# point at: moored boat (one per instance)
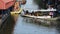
(43, 14)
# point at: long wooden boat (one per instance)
(41, 17)
(44, 17)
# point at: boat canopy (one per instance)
(41, 10)
(45, 10)
(5, 4)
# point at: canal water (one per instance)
(25, 25)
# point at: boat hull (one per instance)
(48, 18)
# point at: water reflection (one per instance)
(58, 27)
(40, 22)
(25, 27)
(22, 26)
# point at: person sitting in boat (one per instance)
(27, 12)
(51, 14)
(32, 13)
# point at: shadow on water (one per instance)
(30, 20)
(40, 22)
(58, 27)
(8, 26)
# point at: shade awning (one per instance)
(5, 4)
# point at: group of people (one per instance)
(51, 13)
(27, 12)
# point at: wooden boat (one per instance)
(45, 15)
